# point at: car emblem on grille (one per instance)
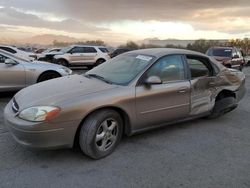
(15, 106)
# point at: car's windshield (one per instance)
(122, 69)
(52, 50)
(66, 49)
(25, 49)
(220, 52)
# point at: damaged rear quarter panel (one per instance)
(206, 89)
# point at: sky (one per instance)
(123, 20)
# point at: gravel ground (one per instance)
(199, 153)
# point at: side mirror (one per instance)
(10, 62)
(153, 80)
(236, 56)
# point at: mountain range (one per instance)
(48, 39)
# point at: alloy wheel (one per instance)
(106, 134)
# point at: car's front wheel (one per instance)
(100, 133)
(48, 76)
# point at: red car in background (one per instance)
(231, 57)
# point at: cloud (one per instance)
(99, 16)
(17, 17)
(110, 10)
(162, 10)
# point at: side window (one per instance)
(77, 50)
(169, 68)
(2, 58)
(8, 50)
(199, 67)
(89, 50)
(104, 50)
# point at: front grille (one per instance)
(15, 106)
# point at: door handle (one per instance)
(183, 90)
(212, 84)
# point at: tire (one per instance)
(48, 76)
(241, 68)
(223, 106)
(100, 61)
(63, 62)
(228, 66)
(89, 67)
(100, 133)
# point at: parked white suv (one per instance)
(82, 55)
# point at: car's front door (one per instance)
(12, 77)
(203, 82)
(75, 55)
(160, 103)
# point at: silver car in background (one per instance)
(17, 73)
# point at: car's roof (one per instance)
(222, 47)
(10, 55)
(159, 52)
(5, 52)
(13, 47)
(83, 45)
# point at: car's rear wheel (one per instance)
(228, 66)
(241, 67)
(100, 133)
(63, 62)
(100, 61)
(89, 67)
(48, 76)
(223, 106)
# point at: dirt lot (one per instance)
(200, 153)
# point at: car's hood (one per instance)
(58, 90)
(53, 53)
(43, 64)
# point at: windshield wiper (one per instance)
(99, 78)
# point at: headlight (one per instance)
(39, 113)
(67, 70)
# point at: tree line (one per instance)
(201, 45)
(88, 42)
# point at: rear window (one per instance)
(220, 52)
(104, 50)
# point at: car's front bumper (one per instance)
(42, 135)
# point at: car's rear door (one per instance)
(203, 84)
(157, 104)
(89, 55)
(12, 77)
